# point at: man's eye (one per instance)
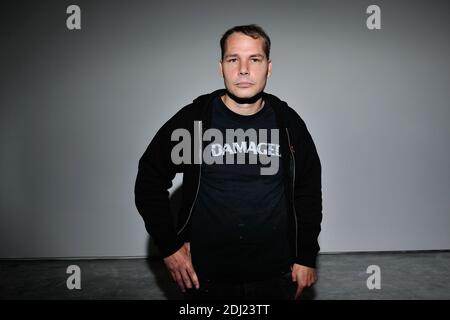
(256, 60)
(232, 60)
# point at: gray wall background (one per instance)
(78, 109)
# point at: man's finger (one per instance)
(193, 277)
(299, 290)
(174, 278)
(186, 279)
(179, 281)
(313, 280)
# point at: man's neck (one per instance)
(245, 109)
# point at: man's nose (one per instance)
(243, 70)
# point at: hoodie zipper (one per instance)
(293, 188)
(198, 181)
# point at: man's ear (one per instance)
(269, 69)
(220, 68)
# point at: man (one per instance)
(241, 232)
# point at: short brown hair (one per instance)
(251, 30)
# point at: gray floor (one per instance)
(412, 275)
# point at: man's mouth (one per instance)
(244, 84)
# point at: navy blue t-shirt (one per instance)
(239, 222)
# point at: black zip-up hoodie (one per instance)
(302, 179)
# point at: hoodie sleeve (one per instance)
(307, 196)
(155, 174)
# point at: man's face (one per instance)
(245, 67)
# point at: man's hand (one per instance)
(304, 276)
(181, 269)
